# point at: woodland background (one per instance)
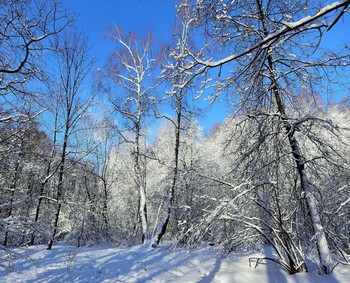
(78, 162)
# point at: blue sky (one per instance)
(157, 16)
(141, 15)
(94, 16)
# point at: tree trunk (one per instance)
(40, 199)
(322, 245)
(59, 197)
(48, 176)
(161, 227)
(140, 180)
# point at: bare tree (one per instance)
(103, 140)
(130, 68)
(26, 28)
(267, 63)
(74, 64)
(50, 166)
(178, 80)
(21, 152)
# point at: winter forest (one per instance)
(81, 163)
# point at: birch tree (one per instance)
(130, 68)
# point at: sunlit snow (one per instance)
(144, 264)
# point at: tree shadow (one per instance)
(210, 277)
(274, 271)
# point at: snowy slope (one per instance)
(143, 264)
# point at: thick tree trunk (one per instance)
(322, 245)
(143, 213)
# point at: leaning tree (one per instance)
(263, 53)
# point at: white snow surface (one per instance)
(143, 264)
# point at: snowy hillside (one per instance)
(143, 264)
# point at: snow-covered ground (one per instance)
(144, 264)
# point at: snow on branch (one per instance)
(288, 26)
(338, 17)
